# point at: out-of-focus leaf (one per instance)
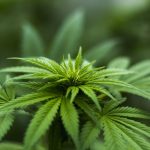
(98, 145)
(2, 78)
(119, 63)
(32, 44)
(6, 121)
(141, 69)
(129, 7)
(67, 38)
(101, 51)
(16, 146)
(89, 134)
(10, 146)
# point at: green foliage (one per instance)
(6, 121)
(6, 118)
(89, 134)
(102, 49)
(16, 146)
(121, 63)
(12, 146)
(32, 44)
(66, 41)
(70, 120)
(139, 78)
(40, 123)
(26, 100)
(122, 132)
(74, 91)
(97, 145)
(86, 97)
(90, 93)
(83, 97)
(68, 36)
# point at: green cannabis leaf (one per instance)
(6, 118)
(121, 131)
(32, 44)
(64, 43)
(140, 77)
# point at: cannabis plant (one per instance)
(75, 104)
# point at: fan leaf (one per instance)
(70, 120)
(41, 122)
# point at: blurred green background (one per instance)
(127, 21)
(121, 24)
